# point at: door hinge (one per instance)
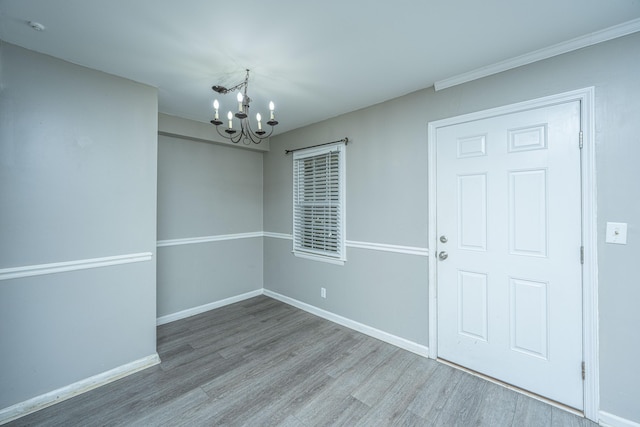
(581, 254)
(581, 140)
(584, 370)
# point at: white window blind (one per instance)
(318, 203)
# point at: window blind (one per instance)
(318, 215)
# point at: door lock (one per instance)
(444, 239)
(443, 255)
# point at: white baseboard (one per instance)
(44, 400)
(351, 324)
(206, 307)
(610, 420)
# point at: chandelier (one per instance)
(244, 132)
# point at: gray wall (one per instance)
(207, 190)
(77, 181)
(387, 203)
(386, 179)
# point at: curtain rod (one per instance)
(345, 140)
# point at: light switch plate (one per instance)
(616, 233)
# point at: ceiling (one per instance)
(315, 60)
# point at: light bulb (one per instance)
(239, 97)
(230, 117)
(259, 118)
(271, 107)
(216, 105)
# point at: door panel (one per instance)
(509, 295)
(529, 313)
(472, 305)
(472, 212)
(528, 213)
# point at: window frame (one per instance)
(339, 256)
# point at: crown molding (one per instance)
(590, 39)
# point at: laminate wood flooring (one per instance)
(264, 363)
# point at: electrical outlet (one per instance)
(323, 292)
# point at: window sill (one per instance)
(320, 258)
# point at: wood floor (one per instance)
(261, 362)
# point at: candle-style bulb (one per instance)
(271, 108)
(239, 97)
(216, 105)
(259, 119)
(230, 117)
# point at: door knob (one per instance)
(443, 255)
(444, 239)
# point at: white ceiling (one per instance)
(315, 60)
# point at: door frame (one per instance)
(586, 96)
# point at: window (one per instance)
(318, 203)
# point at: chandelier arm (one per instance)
(220, 133)
(229, 136)
(259, 137)
(243, 130)
(237, 137)
(249, 133)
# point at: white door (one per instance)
(509, 293)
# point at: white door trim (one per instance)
(586, 97)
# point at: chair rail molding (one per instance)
(207, 239)
(383, 247)
(407, 250)
(81, 264)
